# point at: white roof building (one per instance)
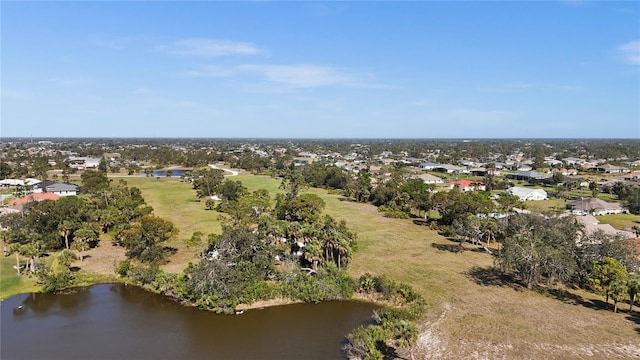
(430, 179)
(526, 194)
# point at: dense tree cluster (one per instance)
(73, 222)
(538, 249)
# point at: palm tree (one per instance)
(65, 229)
(633, 288)
(66, 257)
(313, 253)
(16, 249)
(82, 237)
(81, 246)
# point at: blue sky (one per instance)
(321, 69)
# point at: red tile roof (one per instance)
(34, 197)
(465, 183)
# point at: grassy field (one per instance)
(471, 311)
(620, 221)
(12, 284)
(176, 201)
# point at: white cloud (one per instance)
(213, 71)
(209, 47)
(293, 76)
(302, 76)
(630, 52)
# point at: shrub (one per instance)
(123, 267)
(367, 343)
(392, 213)
(53, 281)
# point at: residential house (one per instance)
(428, 165)
(632, 176)
(526, 175)
(565, 172)
(450, 169)
(467, 185)
(595, 207)
(430, 179)
(592, 225)
(610, 169)
(11, 182)
(58, 188)
(33, 197)
(527, 194)
(83, 163)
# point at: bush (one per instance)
(367, 343)
(123, 267)
(367, 283)
(392, 213)
(53, 281)
(261, 290)
(143, 275)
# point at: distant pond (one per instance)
(114, 321)
(163, 173)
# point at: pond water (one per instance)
(163, 173)
(114, 321)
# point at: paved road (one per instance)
(233, 172)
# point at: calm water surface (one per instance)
(174, 173)
(114, 321)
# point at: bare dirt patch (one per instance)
(266, 303)
(102, 259)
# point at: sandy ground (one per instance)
(102, 259)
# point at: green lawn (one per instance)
(12, 284)
(620, 221)
(176, 201)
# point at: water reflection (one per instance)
(117, 321)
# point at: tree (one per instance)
(292, 184)
(94, 182)
(80, 247)
(66, 228)
(593, 186)
(304, 208)
(15, 249)
(205, 182)
(66, 257)
(618, 292)
(509, 202)
(39, 168)
(535, 247)
(143, 239)
(209, 204)
(633, 288)
(5, 170)
(606, 276)
(230, 190)
(198, 240)
(86, 233)
(313, 253)
(31, 251)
